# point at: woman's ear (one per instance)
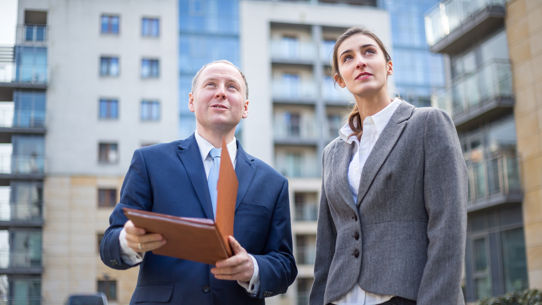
(389, 67)
(339, 80)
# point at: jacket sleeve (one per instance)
(326, 235)
(445, 195)
(277, 266)
(135, 193)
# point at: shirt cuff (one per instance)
(128, 255)
(253, 286)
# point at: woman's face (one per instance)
(362, 66)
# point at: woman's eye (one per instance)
(370, 51)
(346, 58)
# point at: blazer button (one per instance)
(205, 289)
(355, 217)
(356, 253)
(356, 235)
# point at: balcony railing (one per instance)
(28, 74)
(448, 15)
(297, 51)
(497, 176)
(21, 164)
(20, 211)
(304, 166)
(30, 34)
(285, 129)
(474, 91)
(31, 258)
(334, 93)
(292, 91)
(22, 119)
(306, 254)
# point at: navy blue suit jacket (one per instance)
(170, 178)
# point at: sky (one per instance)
(8, 18)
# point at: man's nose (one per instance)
(220, 92)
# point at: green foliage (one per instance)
(526, 297)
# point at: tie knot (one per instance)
(215, 153)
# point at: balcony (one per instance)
(22, 213)
(21, 122)
(480, 96)
(25, 77)
(453, 25)
(293, 92)
(23, 167)
(306, 211)
(493, 182)
(292, 52)
(291, 128)
(335, 95)
(297, 164)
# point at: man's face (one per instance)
(218, 100)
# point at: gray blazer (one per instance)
(405, 236)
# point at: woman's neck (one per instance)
(369, 105)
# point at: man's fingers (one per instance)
(148, 246)
(235, 246)
(130, 228)
(147, 238)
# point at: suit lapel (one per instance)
(244, 168)
(190, 157)
(383, 147)
(341, 159)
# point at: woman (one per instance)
(392, 219)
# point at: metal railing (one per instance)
(282, 89)
(470, 91)
(284, 128)
(448, 15)
(293, 50)
(34, 34)
(490, 177)
(297, 166)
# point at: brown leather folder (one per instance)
(196, 239)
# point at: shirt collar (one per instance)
(380, 120)
(205, 147)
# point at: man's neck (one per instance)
(215, 137)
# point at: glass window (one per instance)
(107, 197)
(306, 206)
(197, 50)
(109, 288)
(31, 64)
(109, 66)
(495, 48)
(108, 153)
(150, 68)
(20, 248)
(481, 268)
(29, 109)
(150, 27)
(514, 260)
(109, 24)
(21, 201)
(150, 110)
(108, 109)
(34, 32)
(303, 290)
(28, 154)
(20, 289)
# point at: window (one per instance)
(108, 153)
(109, 24)
(150, 111)
(99, 237)
(109, 66)
(107, 197)
(108, 109)
(150, 68)
(150, 27)
(109, 288)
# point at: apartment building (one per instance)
(92, 81)
(295, 107)
(480, 99)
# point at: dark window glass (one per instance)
(109, 24)
(150, 27)
(109, 66)
(107, 197)
(109, 288)
(108, 109)
(150, 111)
(150, 68)
(108, 153)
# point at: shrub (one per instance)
(526, 297)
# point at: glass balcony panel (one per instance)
(306, 212)
(297, 165)
(333, 92)
(20, 290)
(20, 248)
(288, 124)
(306, 249)
(282, 89)
(292, 49)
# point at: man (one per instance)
(172, 179)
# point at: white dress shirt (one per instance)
(372, 128)
(131, 257)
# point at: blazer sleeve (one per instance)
(135, 193)
(277, 266)
(445, 194)
(326, 235)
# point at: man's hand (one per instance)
(138, 239)
(239, 267)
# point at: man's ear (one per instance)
(245, 109)
(339, 80)
(191, 102)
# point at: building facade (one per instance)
(481, 100)
(92, 82)
(524, 33)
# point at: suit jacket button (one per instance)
(356, 235)
(205, 289)
(355, 217)
(356, 253)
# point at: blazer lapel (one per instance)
(191, 159)
(383, 147)
(341, 159)
(244, 168)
